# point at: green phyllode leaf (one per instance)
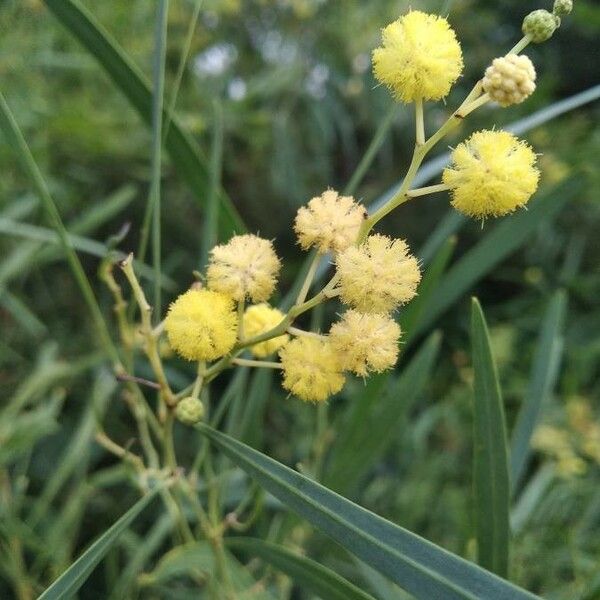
(491, 482)
(76, 575)
(415, 564)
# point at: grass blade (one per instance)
(78, 242)
(308, 574)
(491, 481)
(76, 575)
(420, 567)
(154, 201)
(211, 223)
(543, 377)
(16, 140)
(187, 158)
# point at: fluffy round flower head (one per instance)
(510, 79)
(246, 266)
(492, 174)
(189, 410)
(378, 275)
(329, 222)
(311, 369)
(201, 325)
(420, 57)
(365, 342)
(562, 7)
(259, 319)
(539, 25)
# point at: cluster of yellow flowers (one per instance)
(374, 278)
(492, 173)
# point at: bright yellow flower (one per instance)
(420, 57)
(246, 266)
(261, 318)
(365, 342)
(201, 325)
(492, 174)
(330, 222)
(311, 369)
(378, 275)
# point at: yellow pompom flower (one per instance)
(261, 318)
(378, 275)
(330, 222)
(420, 57)
(492, 174)
(365, 342)
(311, 369)
(246, 266)
(201, 325)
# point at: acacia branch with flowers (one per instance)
(224, 321)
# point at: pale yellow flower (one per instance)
(259, 319)
(365, 342)
(311, 369)
(246, 266)
(378, 275)
(329, 222)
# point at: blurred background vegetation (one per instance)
(293, 83)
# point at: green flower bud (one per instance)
(189, 410)
(539, 25)
(563, 7)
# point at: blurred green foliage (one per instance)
(299, 109)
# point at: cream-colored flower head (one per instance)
(329, 222)
(378, 275)
(510, 79)
(365, 342)
(201, 325)
(419, 58)
(311, 369)
(246, 266)
(259, 319)
(492, 174)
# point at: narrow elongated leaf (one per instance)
(543, 377)
(308, 574)
(510, 233)
(76, 575)
(187, 158)
(420, 567)
(382, 408)
(491, 481)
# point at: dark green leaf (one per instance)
(491, 482)
(76, 575)
(420, 567)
